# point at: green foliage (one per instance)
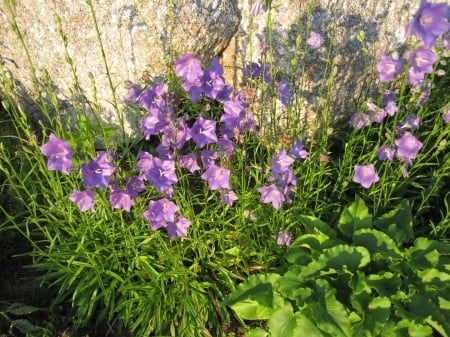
(372, 278)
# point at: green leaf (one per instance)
(293, 287)
(305, 247)
(257, 332)
(25, 326)
(432, 275)
(283, 323)
(428, 253)
(327, 312)
(354, 217)
(397, 223)
(380, 309)
(21, 309)
(255, 299)
(380, 245)
(385, 283)
(314, 225)
(339, 258)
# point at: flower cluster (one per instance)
(216, 142)
(283, 178)
(428, 27)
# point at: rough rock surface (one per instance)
(339, 22)
(136, 36)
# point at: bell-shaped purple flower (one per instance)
(189, 162)
(430, 22)
(281, 162)
(162, 174)
(297, 151)
(59, 154)
(203, 132)
(227, 196)
(84, 200)
(386, 152)
(178, 227)
(120, 199)
(135, 185)
(217, 177)
(365, 175)
(272, 194)
(188, 68)
(315, 40)
(389, 68)
(283, 238)
(408, 147)
(161, 211)
(98, 172)
(358, 120)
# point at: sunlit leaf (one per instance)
(313, 225)
(397, 223)
(354, 217)
(255, 299)
(379, 244)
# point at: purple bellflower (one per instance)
(217, 177)
(315, 40)
(188, 68)
(272, 194)
(208, 157)
(358, 120)
(84, 200)
(284, 93)
(120, 199)
(386, 152)
(189, 162)
(389, 68)
(446, 116)
(133, 92)
(407, 147)
(178, 227)
(227, 196)
(59, 154)
(162, 174)
(135, 185)
(203, 132)
(144, 163)
(365, 175)
(257, 7)
(281, 162)
(297, 151)
(160, 212)
(430, 22)
(98, 172)
(389, 103)
(411, 122)
(283, 238)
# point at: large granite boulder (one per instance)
(137, 36)
(340, 22)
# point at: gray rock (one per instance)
(137, 36)
(339, 22)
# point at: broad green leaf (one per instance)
(313, 225)
(397, 223)
(327, 312)
(255, 299)
(305, 246)
(21, 309)
(408, 327)
(380, 309)
(307, 327)
(257, 332)
(380, 245)
(293, 287)
(284, 323)
(354, 217)
(432, 275)
(339, 257)
(25, 326)
(385, 283)
(422, 306)
(428, 253)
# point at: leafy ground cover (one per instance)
(220, 220)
